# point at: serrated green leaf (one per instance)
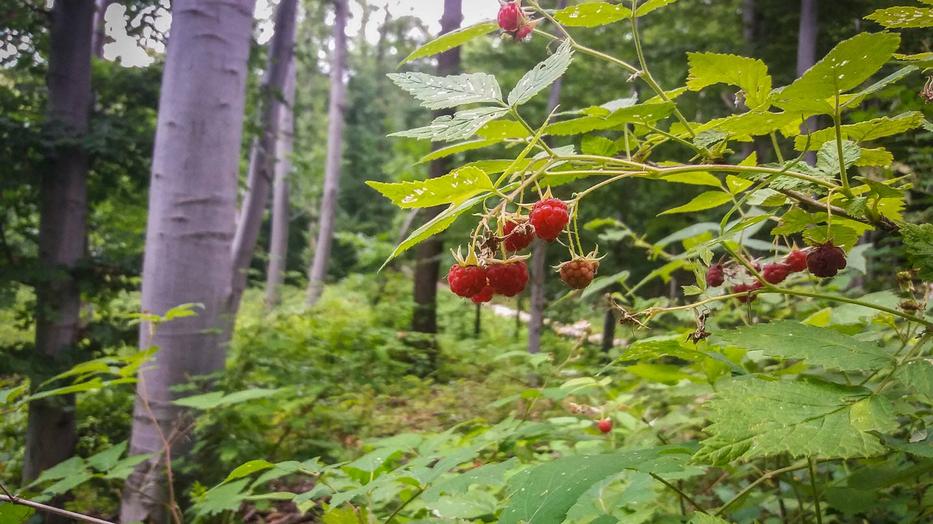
(845, 67)
(217, 399)
(863, 131)
(502, 130)
(873, 414)
(917, 376)
(248, 468)
(707, 200)
(453, 187)
(857, 98)
(706, 518)
(748, 74)
(460, 126)
(918, 243)
(542, 75)
(543, 494)
(462, 147)
(592, 14)
(753, 418)
(638, 114)
(225, 497)
(694, 178)
(879, 157)
(598, 145)
(743, 126)
(451, 40)
(15, 514)
(902, 17)
(436, 225)
(107, 458)
(827, 159)
(71, 467)
(654, 348)
(818, 346)
(651, 5)
(442, 92)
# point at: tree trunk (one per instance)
(263, 157)
(609, 331)
(50, 433)
(100, 27)
(192, 208)
(806, 55)
(428, 253)
(539, 252)
(278, 242)
(335, 117)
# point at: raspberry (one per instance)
(796, 260)
(510, 17)
(549, 217)
(508, 278)
(524, 31)
(466, 281)
(579, 272)
(748, 289)
(826, 260)
(518, 234)
(483, 296)
(604, 425)
(776, 272)
(715, 276)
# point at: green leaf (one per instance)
(706, 518)
(442, 92)
(122, 469)
(217, 399)
(707, 200)
(451, 40)
(845, 67)
(753, 418)
(694, 178)
(901, 17)
(651, 5)
(487, 475)
(248, 468)
(863, 131)
(592, 14)
(460, 126)
(827, 159)
(436, 225)
(543, 75)
(818, 346)
(502, 130)
(748, 74)
(918, 243)
(15, 514)
(457, 148)
(743, 126)
(225, 497)
(68, 468)
(543, 494)
(639, 114)
(917, 376)
(658, 347)
(879, 157)
(107, 459)
(873, 414)
(453, 187)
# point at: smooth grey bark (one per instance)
(806, 55)
(538, 273)
(335, 116)
(263, 158)
(100, 28)
(428, 253)
(278, 240)
(190, 229)
(50, 432)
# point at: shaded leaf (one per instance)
(543, 75)
(459, 126)
(451, 40)
(442, 92)
(453, 187)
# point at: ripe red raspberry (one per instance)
(715, 276)
(518, 234)
(549, 217)
(510, 16)
(776, 272)
(508, 278)
(826, 260)
(466, 281)
(483, 296)
(796, 260)
(604, 425)
(579, 272)
(748, 289)
(524, 31)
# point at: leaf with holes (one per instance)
(453, 187)
(592, 14)
(903, 17)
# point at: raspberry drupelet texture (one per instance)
(715, 276)
(508, 278)
(549, 217)
(518, 234)
(466, 281)
(483, 296)
(796, 260)
(748, 289)
(579, 273)
(826, 260)
(775, 273)
(510, 17)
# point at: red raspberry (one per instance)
(604, 425)
(518, 234)
(524, 31)
(796, 260)
(549, 217)
(748, 289)
(510, 16)
(509, 278)
(483, 296)
(826, 260)
(466, 281)
(579, 272)
(776, 272)
(715, 276)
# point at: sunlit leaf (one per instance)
(451, 40)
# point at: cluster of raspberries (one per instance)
(824, 260)
(513, 21)
(480, 282)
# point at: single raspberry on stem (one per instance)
(518, 233)
(466, 277)
(796, 260)
(826, 260)
(509, 277)
(604, 425)
(549, 217)
(579, 272)
(715, 275)
(775, 273)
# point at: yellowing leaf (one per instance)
(453, 187)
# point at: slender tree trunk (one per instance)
(192, 208)
(609, 330)
(335, 115)
(50, 433)
(278, 242)
(428, 253)
(806, 55)
(263, 158)
(100, 27)
(539, 252)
